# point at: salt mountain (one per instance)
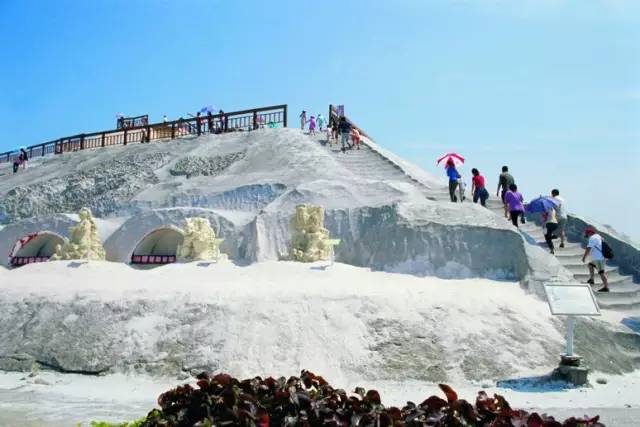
(383, 311)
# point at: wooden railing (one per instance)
(245, 120)
(333, 116)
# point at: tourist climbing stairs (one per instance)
(624, 293)
(368, 163)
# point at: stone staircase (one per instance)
(369, 164)
(624, 294)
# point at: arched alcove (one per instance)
(36, 247)
(158, 247)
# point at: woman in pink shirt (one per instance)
(478, 188)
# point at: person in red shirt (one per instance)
(478, 188)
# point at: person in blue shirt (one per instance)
(454, 176)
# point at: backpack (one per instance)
(607, 252)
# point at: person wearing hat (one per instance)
(597, 260)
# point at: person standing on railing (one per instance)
(181, 126)
(221, 114)
(25, 157)
(209, 121)
(16, 163)
(198, 124)
(303, 119)
(165, 120)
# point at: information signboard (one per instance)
(571, 300)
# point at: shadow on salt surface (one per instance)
(527, 237)
(202, 264)
(539, 384)
(632, 323)
(77, 264)
(420, 266)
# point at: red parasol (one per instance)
(457, 159)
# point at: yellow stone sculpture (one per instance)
(200, 243)
(310, 240)
(84, 242)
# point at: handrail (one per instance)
(333, 114)
(250, 119)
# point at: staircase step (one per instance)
(580, 268)
(613, 278)
(569, 254)
(627, 287)
(570, 249)
(613, 301)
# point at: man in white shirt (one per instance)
(596, 258)
(561, 212)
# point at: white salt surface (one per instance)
(280, 317)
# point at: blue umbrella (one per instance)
(541, 204)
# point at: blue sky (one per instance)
(549, 87)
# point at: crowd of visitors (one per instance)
(553, 214)
(338, 130)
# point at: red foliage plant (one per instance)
(309, 401)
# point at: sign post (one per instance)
(570, 321)
(571, 301)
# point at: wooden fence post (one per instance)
(148, 133)
(255, 119)
(173, 131)
(226, 122)
(125, 137)
(285, 117)
(82, 142)
(103, 140)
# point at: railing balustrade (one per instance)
(245, 120)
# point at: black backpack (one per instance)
(607, 252)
